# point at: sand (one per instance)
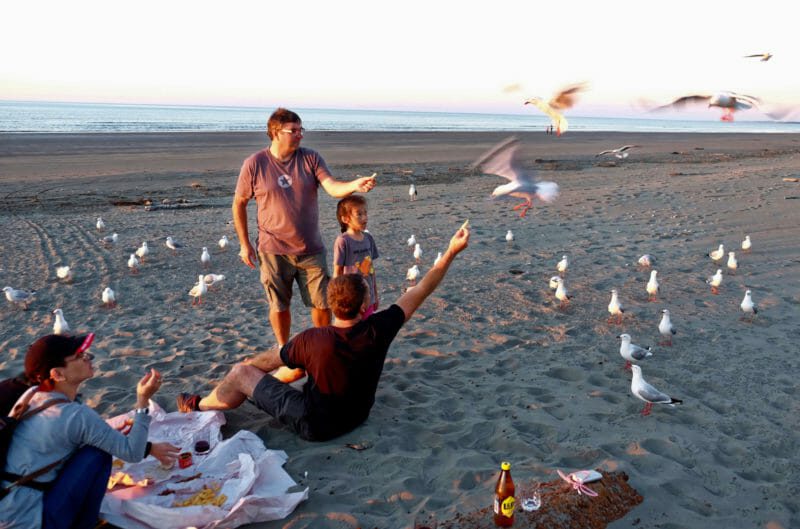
(489, 369)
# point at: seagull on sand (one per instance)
(213, 279)
(411, 240)
(19, 297)
(133, 264)
(509, 236)
(554, 282)
(561, 293)
(652, 286)
(562, 265)
(748, 307)
(763, 56)
(205, 257)
(412, 192)
(100, 224)
(60, 325)
(650, 395)
(223, 243)
(438, 258)
(715, 281)
(646, 261)
(562, 100)
(108, 240)
(500, 161)
(632, 352)
(142, 251)
(109, 297)
(615, 307)
(412, 274)
(621, 152)
(729, 102)
(64, 272)
(746, 244)
(718, 254)
(199, 290)
(733, 264)
(417, 252)
(665, 328)
(172, 244)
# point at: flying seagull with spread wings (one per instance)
(730, 102)
(562, 100)
(501, 160)
(763, 56)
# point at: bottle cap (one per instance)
(505, 465)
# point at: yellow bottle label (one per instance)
(507, 507)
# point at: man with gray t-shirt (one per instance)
(284, 178)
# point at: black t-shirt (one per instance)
(343, 367)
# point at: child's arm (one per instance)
(338, 270)
(339, 255)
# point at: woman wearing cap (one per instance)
(69, 495)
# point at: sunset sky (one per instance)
(410, 55)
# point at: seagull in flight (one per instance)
(501, 161)
(763, 56)
(562, 100)
(621, 152)
(729, 102)
(650, 395)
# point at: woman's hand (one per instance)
(165, 453)
(147, 387)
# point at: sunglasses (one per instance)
(83, 355)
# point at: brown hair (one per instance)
(346, 294)
(346, 206)
(278, 119)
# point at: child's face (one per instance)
(357, 218)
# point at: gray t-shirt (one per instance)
(286, 195)
(358, 257)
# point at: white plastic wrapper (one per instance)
(250, 476)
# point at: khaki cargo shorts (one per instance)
(279, 272)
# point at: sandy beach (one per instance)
(490, 369)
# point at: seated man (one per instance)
(343, 361)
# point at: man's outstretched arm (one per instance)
(413, 298)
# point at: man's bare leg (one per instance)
(320, 317)
(237, 385)
(281, 321)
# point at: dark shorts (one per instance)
(279, 272)
(284, 403)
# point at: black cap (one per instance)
(50, 351)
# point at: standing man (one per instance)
(284, 178)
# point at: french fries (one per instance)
(208, 495)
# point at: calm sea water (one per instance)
(90, 117)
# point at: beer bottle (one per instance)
(504, 504)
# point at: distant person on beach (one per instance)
(343, 361)
(354, 251)
(66, 446)
(284, 178)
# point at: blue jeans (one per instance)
(74, 500)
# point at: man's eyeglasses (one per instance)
(83, 355)
(295, 132)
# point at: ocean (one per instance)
(45, 117)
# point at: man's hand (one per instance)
(248, 254)
(365, 183)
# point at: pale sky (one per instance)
(409, 54)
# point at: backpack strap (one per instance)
(47, 404)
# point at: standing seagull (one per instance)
(746, 244)
(561, 293)
(223, 243)
(652, 286)
(142, 251)
(665, 328)
(554, 282)
(715, 281)
(60, 325)
(133, 264)
(108, 240)
(763, 56)
(509, 236)
(411, 240)
(19, 297)
(562, 100)
(733, 264)
(438, 258)
(615, 307)
(109, 298)
(632, 352)
(172, 244)
(646, 261)
(412, 274)
(562, 265)
(417, 252)
(100, 224)
(501, 161)
(621, 152)
(64, 272)
(718, 254)
(650, 395)
(199, 290)
(205, 257)
(412, 192)
(748, 307)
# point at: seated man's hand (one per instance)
(166, 453)
(287, 376)
(459, 241)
